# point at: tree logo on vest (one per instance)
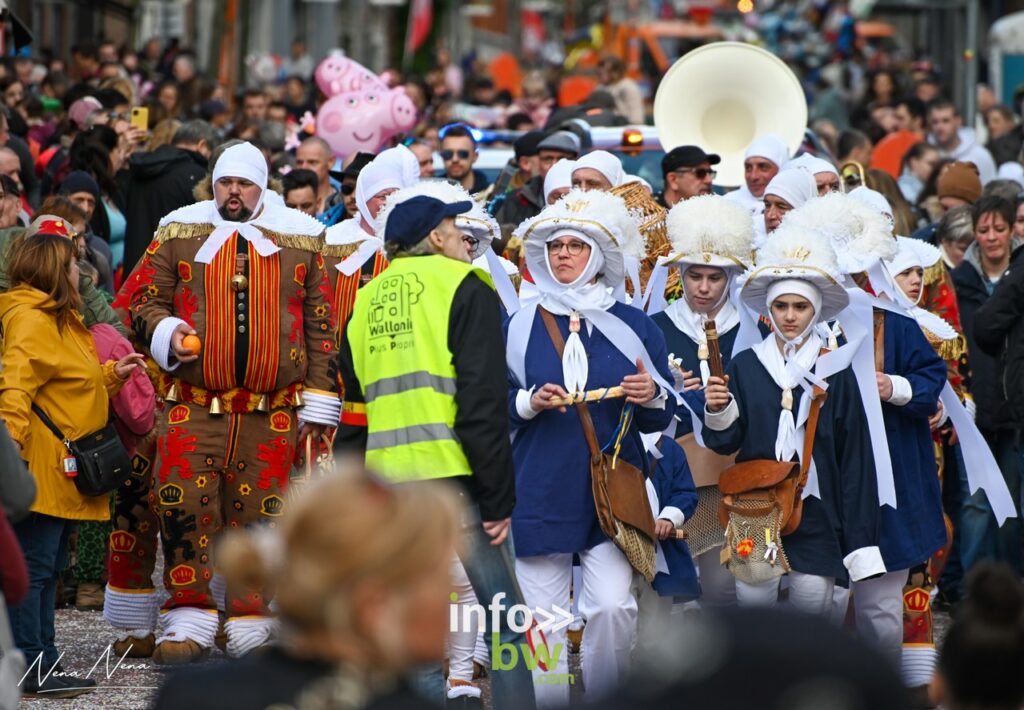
(390, 315)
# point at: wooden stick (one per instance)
(677, 534)
(714, 354)
(589, 396)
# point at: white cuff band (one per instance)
(656, 402)
(188, 622)
(523, 408)
(720, 421)
(247, 634)
(160, 345)
(864, 563)
(902, 392)
(127, 610)
(320, 409)
(673, 514)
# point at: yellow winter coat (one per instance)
(60, 371)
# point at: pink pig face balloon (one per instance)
(361, 113)
(338, 75)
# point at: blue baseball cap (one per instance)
(411, 221)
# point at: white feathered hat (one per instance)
(709, 230)
(476, 222)
(599, 216)
(860, 234)
(793, 252)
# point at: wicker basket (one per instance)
(638, 548)
(650, 220)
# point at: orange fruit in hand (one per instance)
(193, 343)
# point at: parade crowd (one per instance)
(786, 415)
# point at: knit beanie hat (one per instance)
(960, 179)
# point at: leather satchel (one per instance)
(619, 489)
(756, 488)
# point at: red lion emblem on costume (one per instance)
(277, 455)
(171, 450)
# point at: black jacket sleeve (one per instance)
(481, 423)
(1001, 312)
(350, 439)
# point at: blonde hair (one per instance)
(163, 133)
(345, 531)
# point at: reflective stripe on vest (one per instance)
(409, 435)
(398, 335)
(412, 381)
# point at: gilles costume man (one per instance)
(256, 294)
(352, 251)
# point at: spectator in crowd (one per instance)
(96, 152)
(254, 105)
(954, 234)
(347, 206)
(985, 263)
(81, 189)
(315, 154)
(854, 147)
(50, 362)
(629, 102)
(300, 187)
(687, 172)
(889, 154)
(425, 155)
(917, 165)
(459, 153)
(954, 141)
(162, 180)
(298, 63)
(999, 121)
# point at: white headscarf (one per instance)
(794, 185)
(558, 177)
(243, 161)
(573, 299)
(812, 164)
(792, 366)
(770, 147)
(239, 161)
(605, 163)
(393, 168)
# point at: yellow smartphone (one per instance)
(140, 118)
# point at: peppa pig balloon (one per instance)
(361, 113)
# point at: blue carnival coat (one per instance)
(846, 517)
(554, 510)
(674, 485)
(915, 530)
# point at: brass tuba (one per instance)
(724, 95)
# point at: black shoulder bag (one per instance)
(101, 461)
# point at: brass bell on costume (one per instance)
(297, 400)
(264, 404)
(239, 283)
(216, 406)
(172, 393)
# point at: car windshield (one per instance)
(645, 164)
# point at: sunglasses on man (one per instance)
(447, 155)
(699, 173)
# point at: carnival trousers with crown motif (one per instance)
(214, 472)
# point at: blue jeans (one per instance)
(980, 538)
(44, 542)
(491, 570)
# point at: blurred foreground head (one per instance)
(983, 653)
(359, 569)
(758, 658)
